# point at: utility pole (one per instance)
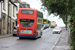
(66, 22)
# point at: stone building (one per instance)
(12, 16)
(20, 4)
(8, 17)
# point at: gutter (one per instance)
(12, 3)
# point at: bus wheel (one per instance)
(36, 36)
(20, 38)
(40, 35)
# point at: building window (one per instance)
(3, 23)
(4, 5)
(9, 9)
(17, 9)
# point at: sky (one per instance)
(37, 5)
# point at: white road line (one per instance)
(56, 42)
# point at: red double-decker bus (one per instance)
(29, 23)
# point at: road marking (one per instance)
(56, 42)
(5, 37)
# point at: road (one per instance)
(63, 43)
(46, 42)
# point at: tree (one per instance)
(17, 14)
(63, 8)
(45, 21)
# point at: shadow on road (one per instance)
(28, 39)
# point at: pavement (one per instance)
(62, 43)
(4, 36)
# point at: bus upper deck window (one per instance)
(27, 11)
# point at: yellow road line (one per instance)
(5, 37)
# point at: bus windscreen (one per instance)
(26, 22)
(27, 11)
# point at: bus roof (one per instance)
(27, 9)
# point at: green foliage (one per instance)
(45, 20)
(49, 22)
(63, 8)
(17, 14)
(73, 40)
(72, 27)
(68, 24)
(55, 6)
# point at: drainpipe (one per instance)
(8, 18)
(1, 20)
(1, 17)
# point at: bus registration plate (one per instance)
(26, 31)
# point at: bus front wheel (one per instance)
(36, 35)
(40, 35)
(20, 37)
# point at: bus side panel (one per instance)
(39, 22)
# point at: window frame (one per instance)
(13, 11)
(28, 10)
(4, 5)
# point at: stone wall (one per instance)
(4, 26)
(7, 25)
(13, 24)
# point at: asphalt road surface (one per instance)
(46, 42)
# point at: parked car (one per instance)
(45, 26)
(14, 31)
(57, 30)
